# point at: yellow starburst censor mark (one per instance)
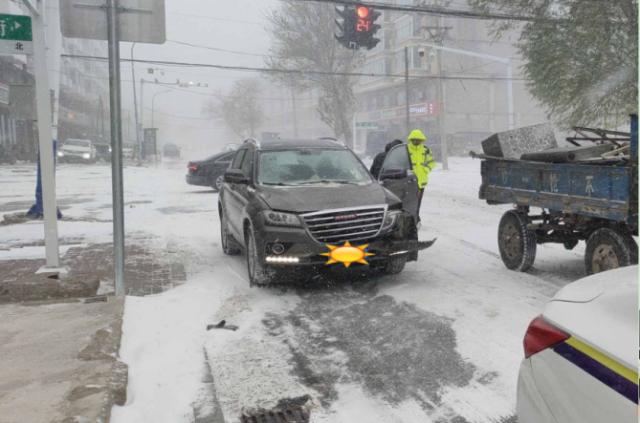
(347, 254)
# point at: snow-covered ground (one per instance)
(441, 342)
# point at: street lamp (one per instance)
(135, 104)
(153, 102)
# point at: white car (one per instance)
(582, 354)
(77, 150)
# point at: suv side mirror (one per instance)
(235, 176)
(393, 174)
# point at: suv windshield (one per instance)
(311, 166)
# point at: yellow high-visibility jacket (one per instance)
(422, 162)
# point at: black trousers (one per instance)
(420, 195)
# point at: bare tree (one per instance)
(584, 65)
(303, 39)
(242, 108)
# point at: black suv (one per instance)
(284, 202)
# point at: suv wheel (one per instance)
(229, 245)
(395, 265)
(258, 274)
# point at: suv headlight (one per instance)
(60, 153)
(86, 156)
(281, 219)
(390, 219)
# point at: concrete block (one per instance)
(513, 144)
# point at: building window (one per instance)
(404, 29)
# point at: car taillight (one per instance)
(540, 336)
(192, 167)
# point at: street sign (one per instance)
(15, 34)
(140, 21)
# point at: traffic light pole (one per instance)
(116, 145)
(442, 120)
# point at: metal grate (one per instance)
(296, 414)
(340, 225)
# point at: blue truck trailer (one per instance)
(590, 200)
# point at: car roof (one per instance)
(283, 143)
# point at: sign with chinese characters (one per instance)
(15, 34)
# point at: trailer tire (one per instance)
(517, 244)
(608, 249)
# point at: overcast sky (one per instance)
(237, 25)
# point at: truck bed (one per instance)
(598, 191)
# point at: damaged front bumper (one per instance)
(287, 246)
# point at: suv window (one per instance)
(397, 158)
(237, 160)
(247, 163)
(311, 166)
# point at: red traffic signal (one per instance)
(363, 12)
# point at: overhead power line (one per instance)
(294, 71)
(439, 10)
(222, 50)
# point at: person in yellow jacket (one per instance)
(421, 161)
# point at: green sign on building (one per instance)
(15, 34)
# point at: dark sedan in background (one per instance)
(209, 172)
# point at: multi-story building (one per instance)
(83, 108)
(80, 89)
(475, 81)
(17, 135)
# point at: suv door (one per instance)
(404, 183)
(238, 197)
(231, 197)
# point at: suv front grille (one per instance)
(340, 225)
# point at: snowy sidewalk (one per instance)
(59, 362)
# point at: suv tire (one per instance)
(258, 274)
(395, 265)
(229, 245)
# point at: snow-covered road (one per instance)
(441, 342)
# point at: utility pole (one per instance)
(437, 34)
(135, 105)
(294, 114)
(406, 91)
(153, 105)
(45, 137)
(116, 143)
(504, 60)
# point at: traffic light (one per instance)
(366, 28)
(347, 27)
(357, 26)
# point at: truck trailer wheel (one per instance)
(609, 249)
(517, 244)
